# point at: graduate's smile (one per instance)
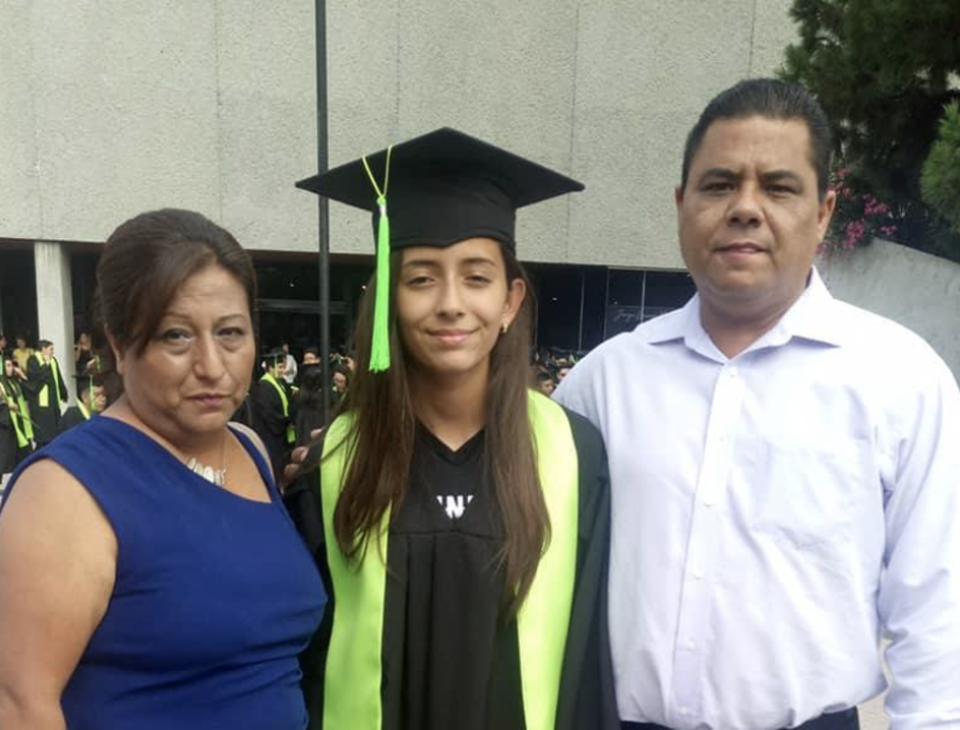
(450, 337)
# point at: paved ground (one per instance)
(872, 717)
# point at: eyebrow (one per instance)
(770, 176)
(775, 175)
(171, 314)
(427, 263)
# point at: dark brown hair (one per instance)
(147, 259)
(381, 442)
(771, 99)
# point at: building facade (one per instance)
(112, 107)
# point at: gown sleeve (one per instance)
(587, 698)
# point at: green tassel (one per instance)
(380, 349)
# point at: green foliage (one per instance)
(941, 173)
(883, 71)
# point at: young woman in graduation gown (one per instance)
(459, 519)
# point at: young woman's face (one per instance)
(452, 304)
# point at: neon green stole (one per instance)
(353, 676)
(11, 400)
(291, 434)
(43, 399)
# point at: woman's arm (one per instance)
(58, 558)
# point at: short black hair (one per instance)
(43, 344)
(773, 99)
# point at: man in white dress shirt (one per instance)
(785, 467)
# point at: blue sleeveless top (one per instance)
(215, 594)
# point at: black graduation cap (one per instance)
(87, 381)
(443, 187)
(274, 356)
(92, 375)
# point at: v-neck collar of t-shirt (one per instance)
(469, 450)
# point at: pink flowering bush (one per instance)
(859, 216)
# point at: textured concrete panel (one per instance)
(773, 31)
(644, 71)
(363, 43)
(267, 122)
(20, 212)
(126, 106)
(917, 290)
(499, 70)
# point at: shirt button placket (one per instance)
(689, 654)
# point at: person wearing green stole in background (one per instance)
(459, 519)
(16, 430)
(47, 391)
(273, 409)
(91, 398)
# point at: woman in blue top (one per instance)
(149, 575)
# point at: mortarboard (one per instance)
(273, 357)
(443, 187)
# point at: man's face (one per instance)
(310, 359)
(750, 218)
(47, 352)
(97, 398)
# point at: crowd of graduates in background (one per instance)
(33, 396)
(284, 405)
(550, 367)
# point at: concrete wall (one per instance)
(111, 107)
(917, 290)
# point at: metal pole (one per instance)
(643, 297)
(606, 304)
(583, 285)
(322, 207)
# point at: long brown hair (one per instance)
(381, 442)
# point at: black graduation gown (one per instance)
(72, 417)
(449, 659)
(269, 422)
(15, 391)
(8, 439)
(46, 421)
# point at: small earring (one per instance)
(504, 327)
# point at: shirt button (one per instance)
(733, 372)
(698, 574)
(691, 645)
(683, 710)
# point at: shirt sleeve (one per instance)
(578, 393)
(919, 599)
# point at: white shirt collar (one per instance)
(813, 317)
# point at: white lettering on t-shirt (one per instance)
(455, 504)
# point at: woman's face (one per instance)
(195, 370)
(452, 304)
(339, 382)
(8, 368)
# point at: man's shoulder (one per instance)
(872, 334)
